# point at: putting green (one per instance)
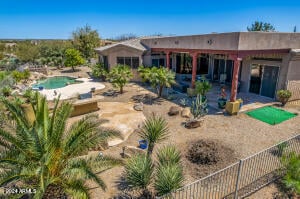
(271, 115)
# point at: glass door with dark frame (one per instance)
(255, 78)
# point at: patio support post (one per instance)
(235, 78)
(168, 59)
(194, 69)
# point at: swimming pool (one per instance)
(56, 82)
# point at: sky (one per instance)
(57, 19)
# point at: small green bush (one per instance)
(202, 87)
(284, 96)
(291, 180)
(6, 91)
(99, 71)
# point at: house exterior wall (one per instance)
(121, 51)
(246, 71)
(225, 41)
(294, 68)
(228, 41)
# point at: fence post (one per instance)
(238, 179)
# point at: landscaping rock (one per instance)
(193, 124)
(129, 151)
(174, 110)
(186, 112)
(138, 107)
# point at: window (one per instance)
(133, 62)
(158, 62)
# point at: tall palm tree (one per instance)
(158, 77)
(154, 130)
(43, 153)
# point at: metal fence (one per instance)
(241, 178)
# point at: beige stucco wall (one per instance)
(294, 68)
(267, 40)
(228, 41)
(246, 71)
(121, 51)
(225, 41)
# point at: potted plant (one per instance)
(283, 96)
(222, 100)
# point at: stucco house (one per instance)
(258, 62)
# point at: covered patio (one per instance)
(234, 56)
(250, 100)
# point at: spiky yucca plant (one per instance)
(43, 153)
(168, 178)
(139, 171)
(168, 155)
(154, 130)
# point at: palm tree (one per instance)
(154, 130)
(119, 76)
(158, 77)
(45, 154)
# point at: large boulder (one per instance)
(193, 124)
(174, 110)
(129, 151)
(138, 107)
(186, 112)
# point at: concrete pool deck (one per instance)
(71, 91)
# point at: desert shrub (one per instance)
(204, 152)
(6, 91)
(202, 87)
(291, 179)
(284, 96)
(99, 71)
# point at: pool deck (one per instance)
(71, 91)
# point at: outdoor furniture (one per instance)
(223, 78)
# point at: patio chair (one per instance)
(223, 78)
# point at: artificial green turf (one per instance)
(271, 115)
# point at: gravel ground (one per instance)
(244, 135)
(241, 133)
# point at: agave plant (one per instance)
(45, 153)
(154, 130)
